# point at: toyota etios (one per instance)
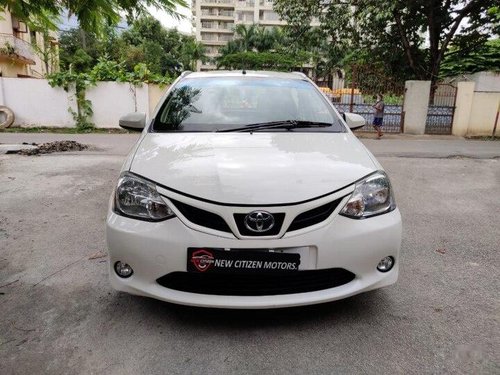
(249, 190)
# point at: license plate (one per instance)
(240, 261)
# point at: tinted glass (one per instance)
(210, 104)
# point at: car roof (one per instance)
(247, 73)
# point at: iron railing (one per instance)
(9, 44)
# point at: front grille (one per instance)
(244, 231)
(256, 284)
(202, 217)
(314, 216)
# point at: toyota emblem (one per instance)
(259, 221)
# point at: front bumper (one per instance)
(156, 249)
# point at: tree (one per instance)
(261, 61)
(423, 30)
(81, 49)
(246, 35)
(164, 52)
(486, 58)
(92, 15)
(192, 51)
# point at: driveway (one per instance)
(58, 314)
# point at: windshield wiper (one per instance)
(285, 124)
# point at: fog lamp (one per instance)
(385, 264)
(123, 270)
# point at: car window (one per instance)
(214, 103)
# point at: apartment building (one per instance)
(214, 21)
(24, 52)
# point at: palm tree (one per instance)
(192, 52)
(247, 35)
(264, 39)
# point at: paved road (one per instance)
(58, 314)
(395, 145)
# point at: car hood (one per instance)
(256, 169)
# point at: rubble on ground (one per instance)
(57, 146)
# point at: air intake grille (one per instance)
(256, 284)
(202, 217)
(314, 216)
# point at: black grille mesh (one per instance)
(314, 216)
(233, 284)
(202, 217)
(210, 220)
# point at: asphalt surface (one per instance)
(58, 314)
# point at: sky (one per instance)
(183, 25)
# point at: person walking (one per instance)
(378, 115)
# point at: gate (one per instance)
(357, 94)
(441, 109)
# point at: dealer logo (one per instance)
(259, 221)
(202, 260)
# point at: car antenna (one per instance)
(244, 72)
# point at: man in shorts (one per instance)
(378, 115)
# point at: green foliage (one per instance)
(92, 15)
(255, 47)
(104, 70)
(80, 81)
(484, 58)
(8, 49)
(390, 99)
(261, 61)
(165, 52)
(409, 37)
(81, 50)
(83, 114)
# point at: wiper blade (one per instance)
(285, 124)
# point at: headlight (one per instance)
(138, 198)
(371, 196)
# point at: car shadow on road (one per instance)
(358, 308)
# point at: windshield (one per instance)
(215, 103)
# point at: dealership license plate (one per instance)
(241, 261)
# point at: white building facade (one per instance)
(214, 21)
(25, 52)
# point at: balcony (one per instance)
(215, 39)
(17, 49)
(245, 4)
(217, 27)
(213, 14)
(218, 3)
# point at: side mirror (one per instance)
(135, 121)
(354, 121)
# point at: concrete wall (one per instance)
(35, 103)
(476, 111)
(416, 105)
(111, 100)
(155, 94)
(463, 107)
(485, 106)
(485, 81)
(12, 68)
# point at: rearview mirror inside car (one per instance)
(354, 121)
(134, 121)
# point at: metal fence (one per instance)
(9, 44)
(441, 109)
(357, 93)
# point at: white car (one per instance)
(249, 190)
